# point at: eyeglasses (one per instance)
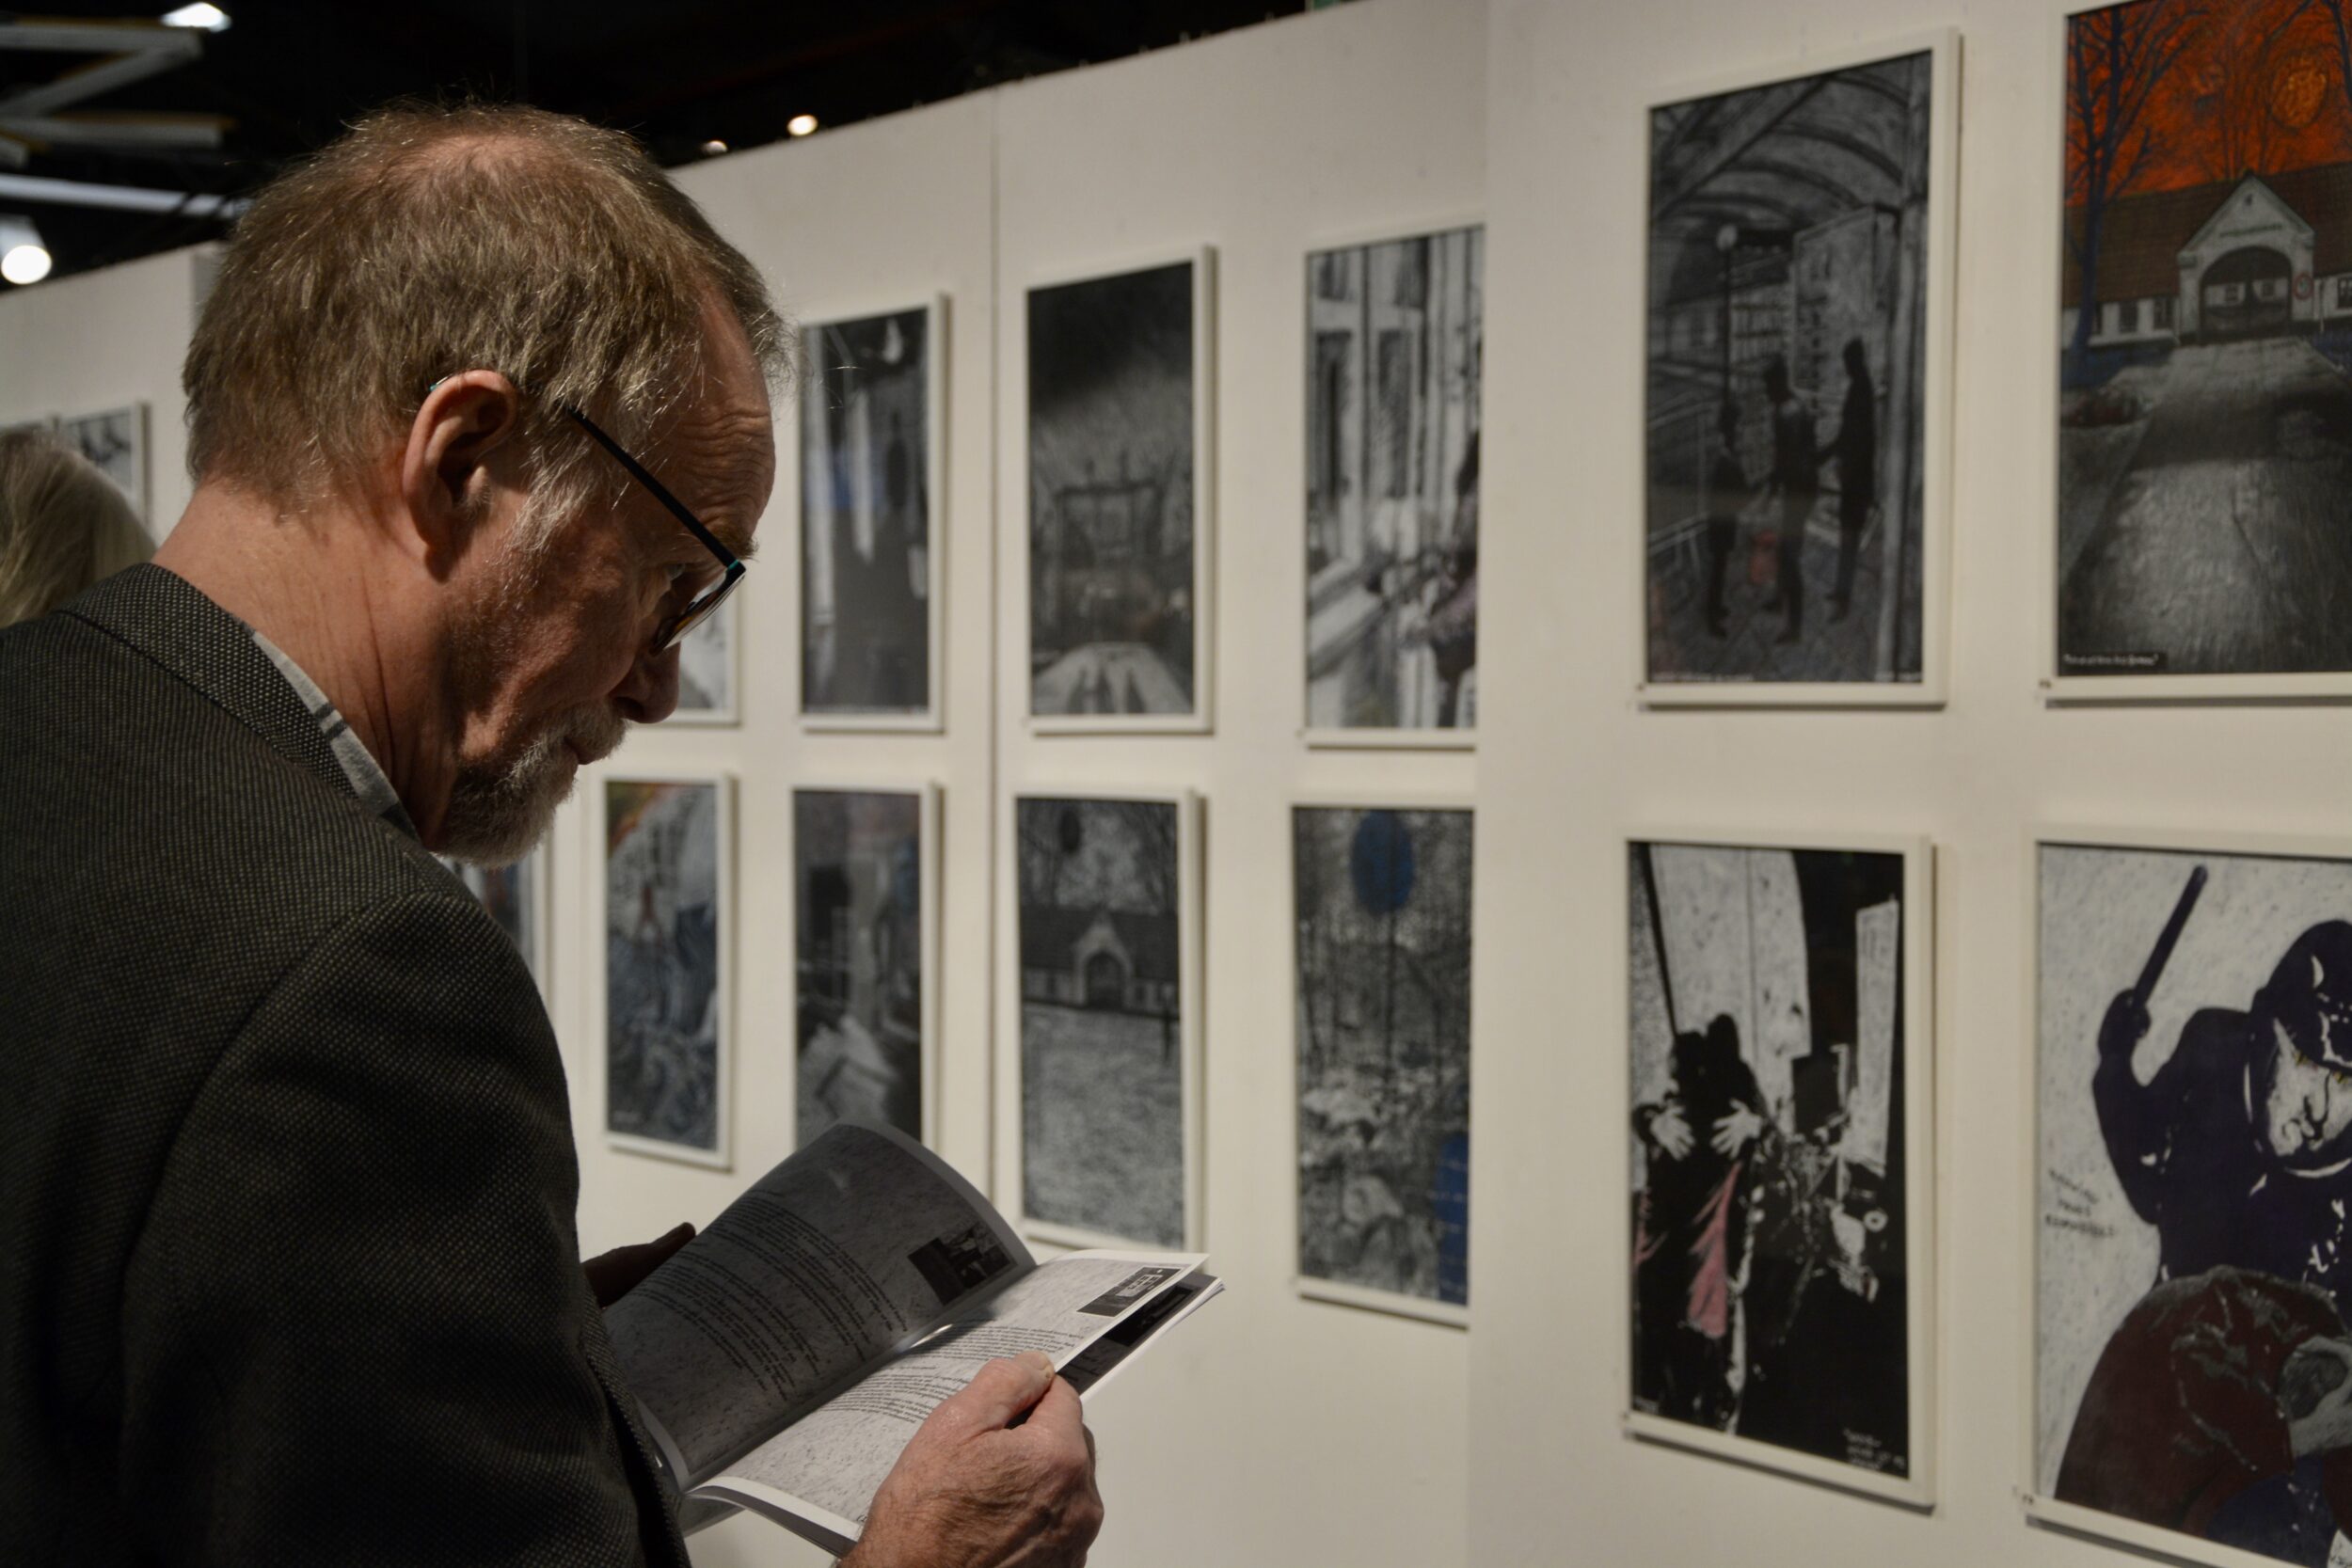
(678, 622)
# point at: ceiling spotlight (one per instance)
(210, 19)
(800, 125)
(23, 258)
(712, 148)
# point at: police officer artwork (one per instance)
(2194, 1365)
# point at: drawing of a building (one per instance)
(1110, 960)
(2261, 255)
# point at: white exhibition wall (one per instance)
(1276, 1430)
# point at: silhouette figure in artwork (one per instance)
(1691, 1231)
(1855, 451)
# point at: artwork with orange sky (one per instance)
(2205, 345)
(2237, 88)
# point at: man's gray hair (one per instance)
(427, 240)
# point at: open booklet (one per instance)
(784, 1357)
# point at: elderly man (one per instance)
(478, 420)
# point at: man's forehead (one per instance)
(726, 461)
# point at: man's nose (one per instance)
(648, 695)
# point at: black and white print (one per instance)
(512, 894)
(1384, 1049)
(116, 441)
(706, 669)
(1113, 600)
(859, 903)
(1789, 302)
(867, 557)
(2194, 1119)
(1103, 1033)
(1771, 1217)
(1395, 342)
(664, 942)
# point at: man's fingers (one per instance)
(613, 1275)
(1059, 1419)
(1003, 1391)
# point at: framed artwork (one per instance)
(1107, 901)
(2204, 322)
(1382, 904)
(1800, 329)
(516, 897)
(1119, 486)
(669, 846)
(1395, 344)
(708, 660)
(116, 441)
(2192, 1366)
(872, 573)
(1783, 1200)
(865, 948)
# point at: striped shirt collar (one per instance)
(366, 779)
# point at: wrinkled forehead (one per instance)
(718, 453)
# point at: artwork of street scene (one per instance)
(1111, 592)
(1102, 1047)
(1384, 1044)
(2193, 1363)
(858, 953)
(1771, 1279)
(865, 523)
(1788, 311)
(2205, 340)
(116, 441)
(506, 892)
(705, 668)
(1395, 341)
(662, 944)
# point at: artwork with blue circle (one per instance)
(1383, 910)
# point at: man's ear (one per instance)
(447, 483)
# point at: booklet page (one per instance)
(854, 1246)
(828, 1466)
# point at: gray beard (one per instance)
(497, 812)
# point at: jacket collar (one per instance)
(168, 619)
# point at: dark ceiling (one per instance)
(675, 73)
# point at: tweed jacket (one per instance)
(288, 1265)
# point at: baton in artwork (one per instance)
(2170, 938)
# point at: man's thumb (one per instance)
(1004, 1391)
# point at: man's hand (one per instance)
(613, 1275)
(973, 1490)
(2328, 1424)
(1669, 1132)
(1734, 1132)
(2123, 1028)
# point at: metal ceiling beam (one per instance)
(124, 131)
(135, 51)
(62, 36)
(120, 199)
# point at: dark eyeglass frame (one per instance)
(684, 619)
(678, 622)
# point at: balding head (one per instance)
(430, 241)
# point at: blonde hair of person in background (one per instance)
(63, 526)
